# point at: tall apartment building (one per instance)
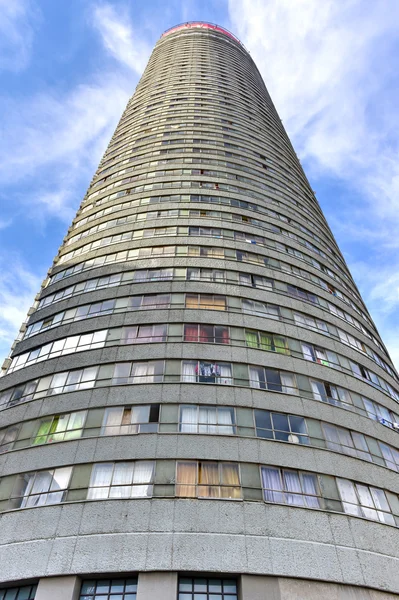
(200, 406)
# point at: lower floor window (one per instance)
(42, 487)
(109, 589)
(26, 592)
(199, 588)
(365, 501)
(121, 480)
(207, 480)
(290, 487)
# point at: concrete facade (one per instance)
(200, 394)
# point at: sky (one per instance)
(68, 68)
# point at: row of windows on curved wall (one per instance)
(190, 124)
(201, 213)
(198, 371)
(241, 256)
(212, 185)
(192, 214)
(232, 304)
(181, 274)
(189, 332)
(243, 191)
(192, 92)
(198, 479)
(198, 419)
(23, 592)
(217, 232)
(177, 214)
(216, 252)
(184, 94)
(195, 128)
(194, 100)
(169, 124)
(204, 150)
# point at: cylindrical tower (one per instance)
(200, 406)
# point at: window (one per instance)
(72, 381)
(8, 437)
(290, 487)
(266, 341)
(207, 589)
(278, 426)
(109, 589)
(194, 371)
(205, 275)
(60, 428)
(346, 442)
(121, 480)
(206, 419)
(121, 420)
(275, 381)
(140, 372)
(210, 334)
(40, 488)
(26, 592)
(144, 334)
(333, 394)
(206, 301)
(255, 281)
(252, 307)
(207, 480)
(365, 501)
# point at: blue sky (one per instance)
(68, 68)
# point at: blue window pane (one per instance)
(11, 594)
(88, 587)
(131, 585)
(229, 586)
(103, 586)
(183, 596)
(117, 585)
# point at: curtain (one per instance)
(38, 492)
(266, 341)
(186, 479)
(366, 502)
(348, 495)
(141, 373)
(346, 441)
(280, 345)
(75, 425)
(225, 374)
(207, 419)
(112, 421)
(58, 428)
(230, 481)
(332, 438)
(191, 333)
(100, 481)
(208, 480)
(292, 484)
(44, 429)
(142, 479)
(308, 352)
(189, 371)
(254, 379)
(145, 334)
(251, 338)
(206, 333)
(121, 480)
(272, 485)
(288, 383)
(188, 419)
(381, 503)
(226, 421)
(310, 486)
(138, 415)
(129, 335)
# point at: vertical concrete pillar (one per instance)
(157, 585)
(257, 587)
(58, 588)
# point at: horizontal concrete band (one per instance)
(198, 535)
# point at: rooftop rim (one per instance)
(203, 25)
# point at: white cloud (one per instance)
(119, 37)
(18, 287)
(61, 139)
(16, 33)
